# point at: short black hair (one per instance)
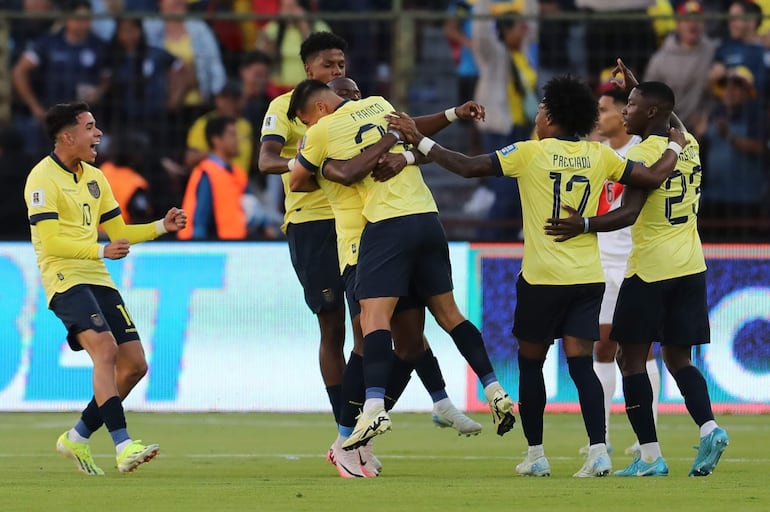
(62, 115)
(318, 42)
(302, 93)
(571, 104)
(658, 94)
(255, 57)
(618, 95)
(750, 9)
(74, 5)
(215, 127)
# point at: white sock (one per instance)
(654, 375)
(340, 439)
(490, 389)
(708, 428)
(650, 451)
(443, 404)
(371, 403)
(119, 447)
(601, 447)
(73, 436)
(606, 373)
(535, 452)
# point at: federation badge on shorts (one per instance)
(37, 197)
(328, 295)
(269, 122)
(508, 149)
(93, 188)
(97, 320)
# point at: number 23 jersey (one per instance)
(665, 236)
(552, 173)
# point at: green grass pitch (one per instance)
(266, 462)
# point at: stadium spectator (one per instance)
(282, 40)
(69, 63)
(458, 33)
(102, 25)
(123, 169)
(506, 88)
(607, 37)
(227, 103)
(742, 48)
(560, 42)
(193, 42)
(683, 62)
(14, 224)
(25, 31)
(736, 181)
(147, 83)
(216, 188)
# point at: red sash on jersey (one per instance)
(610, 192)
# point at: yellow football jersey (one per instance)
(353, 127)
(80, 203)
(300, 206)
(665, 236)
(551, 173)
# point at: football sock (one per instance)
(115, 419)
(590, 396)
(335, 399)
(531, 399)
(378, 360)
(654, 374)
(429, 372)
(535, 452)
(638, 393)
(469, 342)
(352, 391)
(708, 427)
(606, 372)
(693, 387)
(650, 451)
(90, 421)
(400, 373)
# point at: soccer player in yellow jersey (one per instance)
(663, 296)
(68, 199)
(412, 350)
(560, 288)
(403, 247)
(309, 221)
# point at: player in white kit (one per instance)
(614, 248)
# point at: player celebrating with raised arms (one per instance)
(559, 290)
(68, 199)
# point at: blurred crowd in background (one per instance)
(154, 81)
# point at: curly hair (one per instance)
(659, 94)
(320, 41)
(571, 105)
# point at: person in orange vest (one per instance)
(216, 188)
(131, 189)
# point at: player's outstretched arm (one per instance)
(433, 123)
(458, 163)
(116, 228)
(652, 177)
(347, 172)
(573, 225)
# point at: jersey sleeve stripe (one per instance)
(627, 171)
(109, 215)
(272, 136)
(310, 167)
(496, 164)
(34, 219)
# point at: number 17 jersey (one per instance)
(552, 173)
(665, 235)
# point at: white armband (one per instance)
(451, 115)
(586, 225)
(100, 252)
(395, 134)
(409, 157)
(675, 147)
(160, 227)
(425, 145)
(290, 164)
